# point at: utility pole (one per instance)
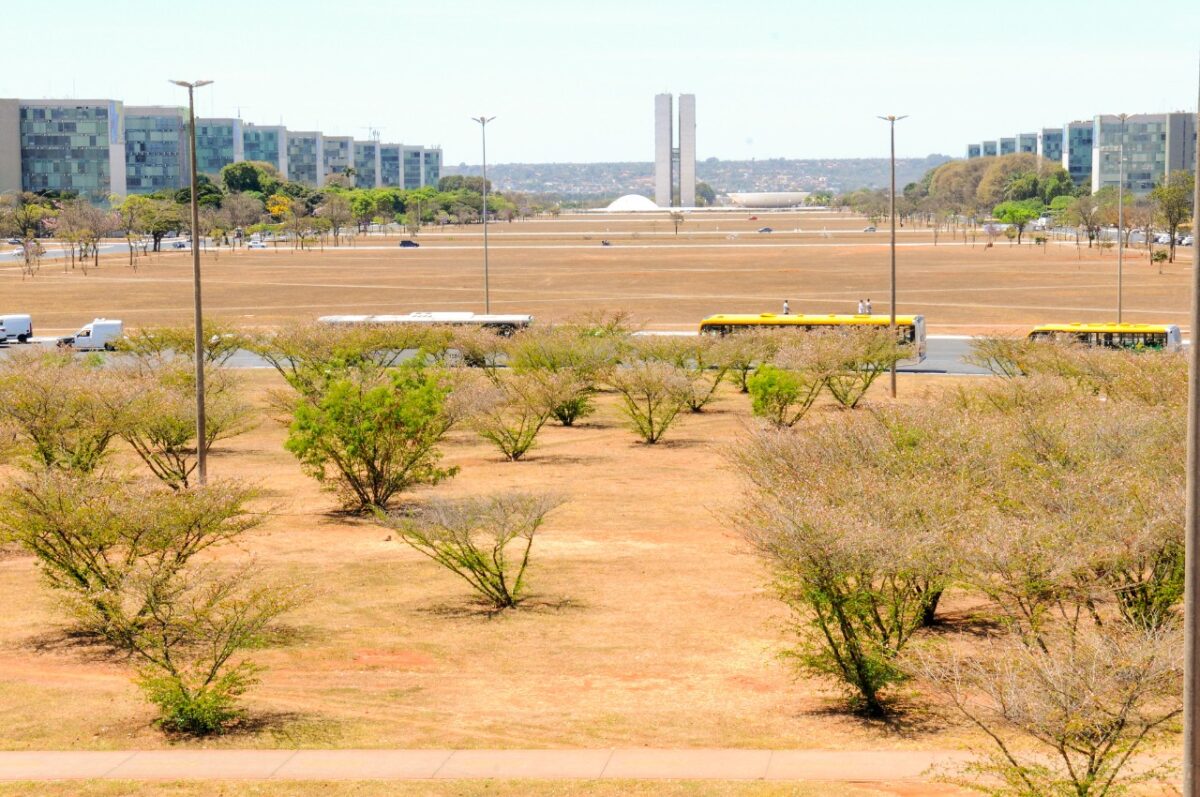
(1121, 216)
(487, 297)
(201, 449)
(1191, 598)
(891, 120)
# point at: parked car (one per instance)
(18, 327)
(765, 229)
(179, 245)
(869, 229)
(256, 245)
(1162, 238)
(1187, 241)
(101, 333)
(14, 241)
(408, 244)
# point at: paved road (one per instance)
(944, 355)
(873, 766)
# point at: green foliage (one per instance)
(257, 176)
(371, 438)
(783, 397)
(1019, 213)
(512, 410)
(208, 193)
(62, 413)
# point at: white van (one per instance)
(19, 327)
(102, 333)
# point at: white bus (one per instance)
(504, 325)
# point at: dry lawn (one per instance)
(822, 262)
(649, 625)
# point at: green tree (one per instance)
(1173, 201)
(705, 195)
(1019, 213)
(369, 439)
(257, 176)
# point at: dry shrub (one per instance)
(575, 360)
(512, 409)
(652, 396)
(472, 538)
(742, 352)
(692, 357)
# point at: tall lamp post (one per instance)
(1120, 150)
(487, 297)
(201, 451)
(1191, 599)
(891, 120)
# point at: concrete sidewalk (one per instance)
(640, 763)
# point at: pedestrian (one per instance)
(787, 310)
(868, 307)
(862, 307)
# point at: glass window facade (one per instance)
(1027, 142)
(433, 166)
(156, 151)
(1008, 146)
(337, 154)
(412, 168)
(973, 150)
(262, 144)
(1050, 143)
(1143, 142)
(218, 144)
(389, 166)
(364, 164)
(989, 149)
(67, 148)
(1077, 151)
(303, 151)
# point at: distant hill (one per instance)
(597, 180)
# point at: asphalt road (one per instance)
(943, 355)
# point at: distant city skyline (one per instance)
(569, 82)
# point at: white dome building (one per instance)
(632, 203)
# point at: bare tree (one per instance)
(652, 396)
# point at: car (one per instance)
(765, 229)
(408, 244)
(14, 241)
(606, 243)
(754, 218)
(179, 245)
(869, 229)
(1162, 238)
(256, 245)
(1187, 241)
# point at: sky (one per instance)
(574, 80)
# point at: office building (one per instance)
(431, 166)
(366, 164)
(974, 150)
(101, 148)
(63, 146)
(674, 166)
(990, 149)
(664, 147)
(1050, 143)
(218, 143)
(1027, 142)
(306, 161)
(266, 144)
(1077, 151)
(1008, 146)
(1152, 146)
(687, 150)
(337, 153)
(156, 149)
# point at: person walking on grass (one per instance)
(787, 310)
(862, 307)
(868, 306)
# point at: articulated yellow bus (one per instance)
(910, 328)
(1157, 337)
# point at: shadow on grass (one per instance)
(480, 609)
(906, 717)
(286, 728)
(87, 645)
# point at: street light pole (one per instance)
(201, 449)
(891, 120)
(1191, 592)
(1120, 216)
(487, 296)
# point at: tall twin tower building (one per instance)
(674, 166)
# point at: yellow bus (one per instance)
(1157, 337)
(910, 328)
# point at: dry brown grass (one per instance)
(554, 268)
(647, 623)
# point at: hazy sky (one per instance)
(573, 80)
